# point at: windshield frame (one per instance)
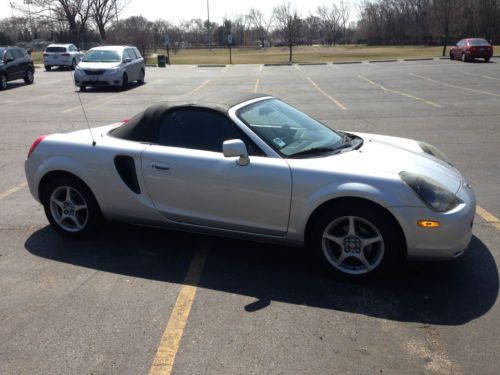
(96, 52)
(325, 149)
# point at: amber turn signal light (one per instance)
(428, 223)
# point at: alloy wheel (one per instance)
(69, 208)
(353, 245)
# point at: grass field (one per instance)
(303, 54)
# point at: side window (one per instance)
(131, 52)
(197, 129)
(17, 54)
(137, 53)
(8, 55)
(127, 54)
(72, 48)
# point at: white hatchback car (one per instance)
(109, 66)
(61, 55)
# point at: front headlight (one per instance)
(78, 68)
(436, 197)
(434, 151)
(111, 71)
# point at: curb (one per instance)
(306, 64)
(212, 66)
(420, 59)
(278, 64)
(346, 62)
(382, 61)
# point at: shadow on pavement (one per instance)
(446, 293)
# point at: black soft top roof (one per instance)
(144, 127)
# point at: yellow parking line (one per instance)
(199, 87)
(297, 67)
(256, 87)
(12, 190)
(481, 75)
(191, 67)
(339, 104)
(36, 98)
(489, 218)
(401, 93)
(455, 86)
(90, 103)
(169, 344)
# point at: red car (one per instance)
(470, 49)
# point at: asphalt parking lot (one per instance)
(139, 300)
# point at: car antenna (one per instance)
(84, 113)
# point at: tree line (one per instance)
(428, 21)
(87, 23)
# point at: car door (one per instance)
(11, 65)
(190, 181)
(130, 65)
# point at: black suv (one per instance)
(15, 63)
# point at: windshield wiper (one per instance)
(314, 150)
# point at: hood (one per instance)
(385, 155)
(98, 65)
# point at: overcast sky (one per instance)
(178, 10)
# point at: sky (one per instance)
(179, 10)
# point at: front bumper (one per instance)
(98, 80)
(447, 241)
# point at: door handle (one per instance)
(160, 167)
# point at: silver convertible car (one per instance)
(256, 168)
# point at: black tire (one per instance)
(464, 57)
(48, 68)
(451, 56)
(142, 77)
(29, 77)
(342, 251)
(71, 207)
(3, 81)
(73, 65)
(487, 59)
(83, 88)
(124, 81)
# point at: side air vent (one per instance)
(125, 165)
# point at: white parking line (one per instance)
(455, 86)
(339, 104)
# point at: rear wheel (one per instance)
(124, 81)
(356, 241)
(487, 59)
(47, 68)
(71, 207)
(3, 81)
(464, 57)
(73, 64)
(83, 88)
(29, 77)
(142, 75)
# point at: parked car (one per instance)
(64, 55)
(256, 168)
(110, 66)
(470, 49)
(15, 63)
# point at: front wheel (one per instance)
(73, 65)
(357, 242)
(142, 76)
(47, 68)
(71, 207)
(3, 81)
(451, 56)
(124, 81)
(29, 77)
(464, 57)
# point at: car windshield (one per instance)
(102, 56)
(288, 130)
(55, 49)
(478, 42)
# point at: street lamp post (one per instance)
(28, 2)
(208, 28)
(12, 6)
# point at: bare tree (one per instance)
(445, 12)
(329, 17)
(288, 23)
(261, 25)
(103, 12)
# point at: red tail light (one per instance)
(36, 143)
(125, 121)
(65, 54)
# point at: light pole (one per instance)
(12, 6)
(208, 28)
(28, 2)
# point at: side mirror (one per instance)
(236, 148)
(8, 59)
(127, 60)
